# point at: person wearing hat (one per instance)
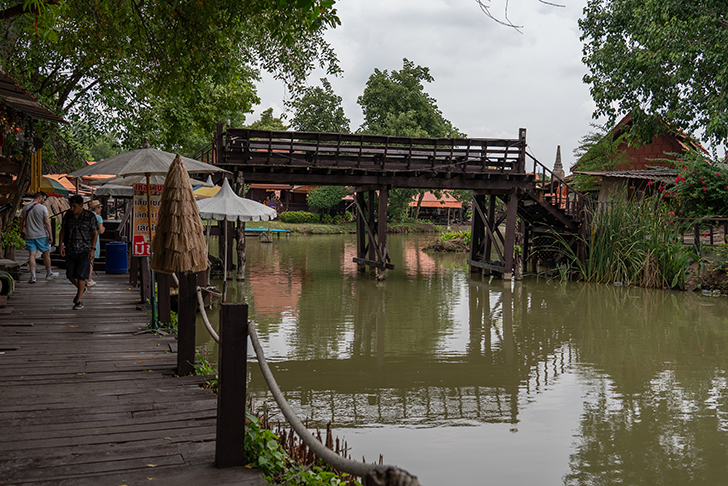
(95, 207)
(77, 241)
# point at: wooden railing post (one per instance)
(186, 316)
(233, 353)
(164, 301)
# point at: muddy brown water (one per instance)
(465, 380)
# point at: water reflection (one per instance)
(433, 347)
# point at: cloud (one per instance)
(490, 80)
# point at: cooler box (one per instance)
(117, 260)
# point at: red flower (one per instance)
(649, 183)
(704, 189)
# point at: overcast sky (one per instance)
(490, 80)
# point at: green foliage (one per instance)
(700, 188)
(203, 367)
(666, 57)
(268, 122)
(598, 151)
(299, 217)
(326, 219)
(11, 236)
(633, 242)
(399, 199)
(396, 104)
(319, 109)
(455, 235)
(337, 219)
(163, 70)
(348, 217)
(263, 451)
(326, 197)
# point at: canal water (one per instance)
(460, 379)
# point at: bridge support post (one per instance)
(371, 231)
(511, 228)
(486, 235)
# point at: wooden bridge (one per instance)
(492, 169)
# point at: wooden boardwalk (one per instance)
(86, 399)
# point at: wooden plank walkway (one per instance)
(86, 399)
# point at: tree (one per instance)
(659, 57)
(396, 104)
(319, 109)
(131, 67)
(268, 122)
(326, 197)
(598, 150)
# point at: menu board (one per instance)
(141, 242)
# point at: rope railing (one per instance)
(373, 474)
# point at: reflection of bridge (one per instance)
(372, 165)
(506, 360)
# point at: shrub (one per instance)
(326, 219)
(299, 217)
(348, 217)
(337, 219)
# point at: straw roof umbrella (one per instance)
(179, 242)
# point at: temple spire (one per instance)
(558, 168)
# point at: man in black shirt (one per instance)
(78, 241)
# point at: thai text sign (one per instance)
(140, 239)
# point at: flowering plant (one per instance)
(700, 187)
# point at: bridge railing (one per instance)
(366, 152)
(554, 190)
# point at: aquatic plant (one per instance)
(632, 242)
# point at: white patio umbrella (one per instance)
(228, 206)
(148, 162)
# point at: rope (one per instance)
(201, 304)
(376, 475)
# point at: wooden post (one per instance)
(477, 231)
(230, 443)
(186, 316)
(511, 227)
(382, 230)
(134, 271)
(146, 280)
(240, 183)
(493, 227)
(361, 231)
(371, 222)
(164, 302)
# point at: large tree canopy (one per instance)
(167, 70)
(396, 104)
(659, 57)
(319, 109)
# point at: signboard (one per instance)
(141, 244)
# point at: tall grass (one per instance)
(633, 242)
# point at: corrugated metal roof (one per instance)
(649, 174)
(16, 97)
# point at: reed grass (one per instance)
(633, 243)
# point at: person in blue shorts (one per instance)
(78, 241)
(35, 225)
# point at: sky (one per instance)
(490, 80)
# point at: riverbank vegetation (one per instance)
(281, 456)
(633, 243)
(311, 224)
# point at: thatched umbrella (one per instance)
(179, 242)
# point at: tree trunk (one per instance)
(420, 196)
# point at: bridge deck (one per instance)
(345, 159)
(86, 400)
